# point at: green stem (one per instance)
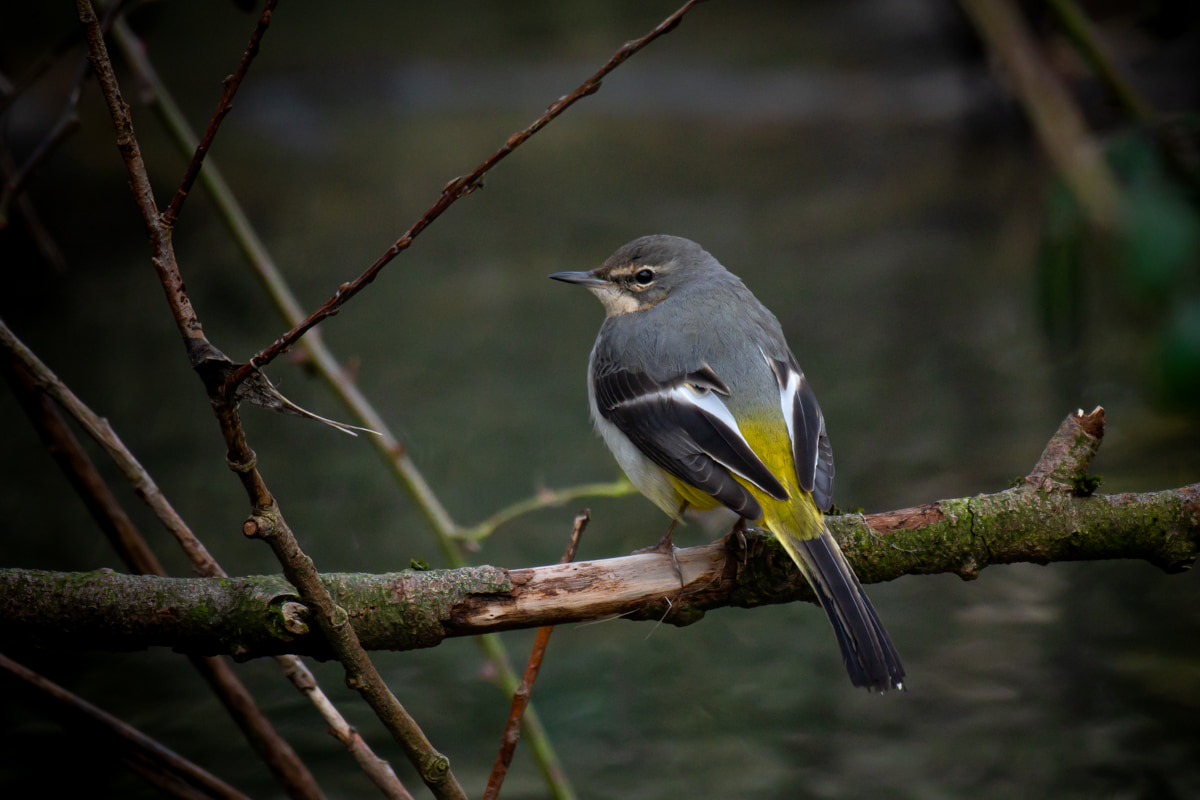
(547, 498)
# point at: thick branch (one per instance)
(258, 616)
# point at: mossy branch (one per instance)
(1043, 520)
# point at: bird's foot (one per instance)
(667, 547)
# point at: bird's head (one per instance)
(644, 273)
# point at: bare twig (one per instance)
(361, 675)
(210, 177)
(10, 91)
(452, 192)
(520, 699)
(80, 471)
(379, 771)
(224, 106)
(267, 521)
(157, 764)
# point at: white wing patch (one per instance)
(789, 387)
(708, 402)
(704, 399)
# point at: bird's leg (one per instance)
(666, 546)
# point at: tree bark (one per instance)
(260, 616)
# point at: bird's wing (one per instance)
(806, 427)
(683, 426)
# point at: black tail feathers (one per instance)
(867, 650)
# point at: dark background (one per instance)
(862, 170)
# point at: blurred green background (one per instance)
(862, 170)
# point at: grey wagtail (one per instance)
(698, 397)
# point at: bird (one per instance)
(693, 388)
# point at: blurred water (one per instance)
(862, 181)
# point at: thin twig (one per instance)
(79, 469)
(379, 771)
(268, 524)
(11, 91)
(267, 519)
(224, 106)
(154, 762)
(67, 124)
(452, 192)
(520, 699)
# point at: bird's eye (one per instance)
(644, 277)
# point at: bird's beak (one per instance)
(585, 279)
